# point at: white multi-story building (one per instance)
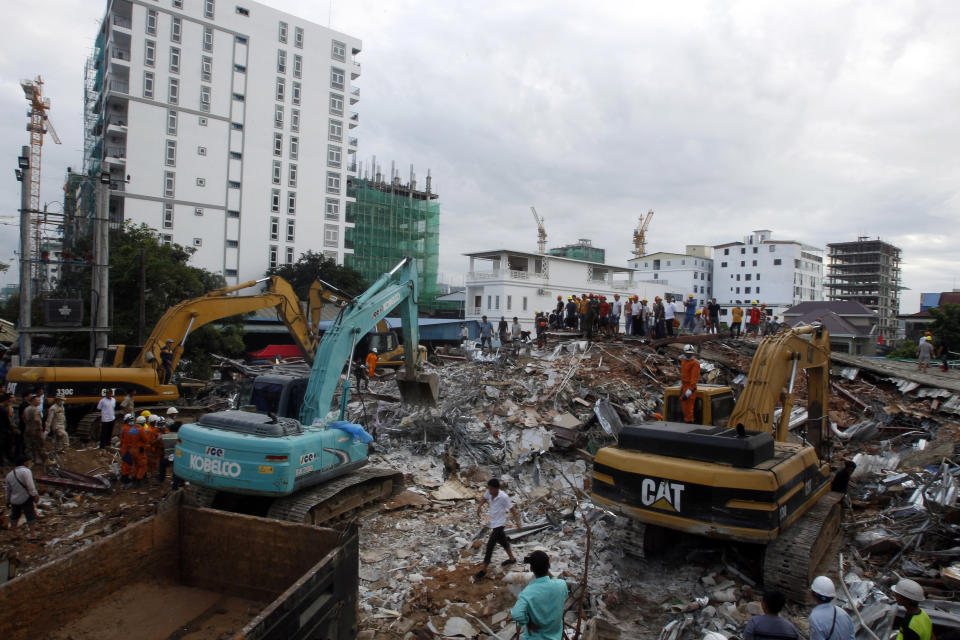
(779, 273)
(510, 283)
(225, 127)
(680, 273)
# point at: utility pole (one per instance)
(100, 278)
(142, 319)
(26, 289)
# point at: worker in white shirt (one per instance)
(500, 504)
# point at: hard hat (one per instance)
(656, 298)
(644, 300)
(145, 413)
(169, 340)
(929, 339)
(559, 297)
(699, 312)
(616, 295)
(823, 587)
(153, 418)
(374, 350)
(141, 420)
(128, 417)
(690, 296)
(909, 590)
(569, 297)
(754, 302)
(688, 348)
(172, 411)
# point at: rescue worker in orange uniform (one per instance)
(371, 362)
(133, 442)
(689, 375)
(126, 459)
(151, 437)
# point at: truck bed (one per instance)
(193, 573)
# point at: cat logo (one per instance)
(661, 494)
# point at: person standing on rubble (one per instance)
(769, 625)
(753, 320)
(669, 315)
(736, 318)
(8, 429)
(639, 316)
(486, 334)
(628, 316)
(33, 429)
(660, 330)
(502, 330)
(827, 620)
(689, 376)
(714, 309)
(371, 362)
(582, 306)
(516, 331)
(539, 606)
(690, 313)
(616, 310)
(57, 425)
(107, 406)
(924, 353)
(21, 492)
(916, 623)
(500, 504)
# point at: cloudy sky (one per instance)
(820, 120)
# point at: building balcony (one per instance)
(116, 156)
(120, 56)
(354, 119)
(476, 311)
(117, 86)
(352, 142)
(354, 95)
(117, 127)
(504, 274)
(355, 70)
(121, 23)
(352, 167)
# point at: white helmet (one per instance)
(172, 411)
(909, 590)
(688, 348)
(141, 420)
(153, 418)
(128, 417)
(374, 350)
(823, 587)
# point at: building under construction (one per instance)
(583, 250)
(867, 271)
(391, 221)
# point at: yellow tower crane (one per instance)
(541, 231)
(39, 124)
(640, 235)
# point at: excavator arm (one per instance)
(398, 288)
(775, 365)
(182, 319)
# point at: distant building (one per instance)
(911, 326)
(779, 273)
(583, 250)
(508, 283)
(852, 326)
(679, 273)
(867, 271)
(390, 221)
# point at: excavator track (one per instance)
(338, 497)
(197, 496)
(790, 561)
(88, 427)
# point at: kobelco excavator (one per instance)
(735, 476)
(306, 470)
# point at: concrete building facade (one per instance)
(867, 271)
(679, 273)
(504, 282)
(225, 127)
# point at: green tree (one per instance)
(311, 266)
(946, 325)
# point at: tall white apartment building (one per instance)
(779, 273)
(226, 127)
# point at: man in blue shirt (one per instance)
(827, 620)
(539, 606)
(486, 333)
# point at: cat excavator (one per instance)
(734, 475)
(306, 469)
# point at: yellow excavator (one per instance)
(733, 475)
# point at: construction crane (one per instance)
(640, 235)
(541, 232)
(38, 125)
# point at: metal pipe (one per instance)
(793, 374)
(187, 332)
(26, 293)
(397, 268)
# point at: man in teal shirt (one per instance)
(540, 605)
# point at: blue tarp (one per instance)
(359, 433)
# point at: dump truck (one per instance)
(189, 572)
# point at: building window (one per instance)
(723, 264)
(738, 290)
(277, 144)
(149, 52)
(777, 262)
(738, 277)
(743, 251)
(281, 89)
(168, 215)
(292, 176)
(758, 276)
(297, 65)
(336, 78)
(282, 36)
(747, 277)
(208, 39)
(233, 184)
(243, 12)
(201, 151)
(232, 213)
(208, 9)
(281, 61)
(203, 122)
(298, 38)
(204, 98)
(274, 228)
(173, 91)
(167, 239)
(292, 203)
(755, 249)
(509, 302)
(295, 95)
(272, 256)
(239, 97)
(169, 178)
(171, 155)
(289, 255)
(294, 120)
(201, 182)
(239, 68)
(294, 147)
(275, 201)
(336, 104)
(291, 230)
(746, 289)
(338, 50)
(151, 22)
(198, 211)
(331, 235)
(333, 209)
(174, 60)
(172, 122)
(333, 182)
(175, 29)
(333, 156)
(276, 172)
(278, 116)
(743, 263)
(773, 248)
(754, 263)
(178, 4)
(335, 130)
(206, 68)
(524, 303)
(232, 244)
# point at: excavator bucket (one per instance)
(420, 389)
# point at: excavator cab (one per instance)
(712, 407)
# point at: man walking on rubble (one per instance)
(736, 317)
(486, 334)
(827, 620)
(689, 376)
(769, 625)
(21, 492)
(539, 606)
(499, 506)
